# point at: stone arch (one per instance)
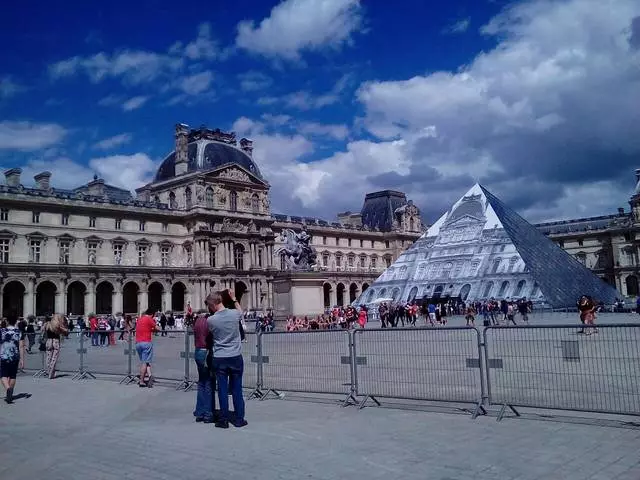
(155, 291)
(209, 197)
(464, 292)
(188, 198)
(76, 292)
(13, 298)
(46, 298)
(240, 288)
(104, 298)
(340, 288)
(130, 302)
(238, 256)
(438, 291)
(326, 291)
(520, 288)
(413, 293)
(353, 292)
(365, 286)
(255, 203)
(178, 297)
(487, 290)
(395, 294)
(504, 288)
(371, 293)
(631, 283)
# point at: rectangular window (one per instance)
(92, 222)
(65, 252)
(350, 260)
(349, 242)
(324, 240)
(92, 252)
(4, 250)
(362, 261)
(35, 217)
(65, 219)
(164, 256)
(580, 242)
(117, 254)
(361, 243)
(260, 257)
(35, 248)
(325, 260)
(387, 261)
(142, 255)
(386, 244)
(338, 261)
(212, 256)
(4, 214)
(561, 243)
(337, 241)
(373, 262)
(165, 227)
(142, 225)
(373, 244)
(118, 224)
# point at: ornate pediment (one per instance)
(465, 221)
(234, 226)
(235, 174)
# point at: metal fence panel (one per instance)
(558, 367)
(316, 361)
(109, 357)
(439, 364)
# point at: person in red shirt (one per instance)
(145, 327)
(93, 329)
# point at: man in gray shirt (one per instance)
(227, 356)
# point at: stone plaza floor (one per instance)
(98, 429)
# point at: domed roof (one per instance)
(206, 155)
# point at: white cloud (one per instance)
(546, 112)
(306, 100)
(134, 103)
(110, 100)
(339, 132)
(135, 67)
(124, 171)
(460, 26)
(28, 136)
(9, 88)
(113, 142)
(297, 25)
(252, 81)
(197, 83)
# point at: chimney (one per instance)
(182, 141)
(621, 211)
(246, 146)
(12, 177)
(43, 180)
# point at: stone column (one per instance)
(166, 298)
(29, 301)
(116, 299)
(334, 294)
(252, 255)
(60, 303)
(90, 298)
(143, 300)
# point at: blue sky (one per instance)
(340, 97)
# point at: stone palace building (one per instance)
(204, 223)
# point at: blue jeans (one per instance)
(205, 400)
(229, 376)
(94, 339)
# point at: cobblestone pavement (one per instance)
(101, 430)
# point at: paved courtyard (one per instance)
(101, 430)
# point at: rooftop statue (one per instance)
(299, 253)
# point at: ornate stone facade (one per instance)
(204, 223)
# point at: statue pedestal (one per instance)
(298, 293)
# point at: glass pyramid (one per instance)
(482, 249)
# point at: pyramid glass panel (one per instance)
(481, 249)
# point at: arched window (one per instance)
(156, 199)
(496, 265)
(503, 289)
(283, 262)
(233, 201)
(187, 198)
(255, 203)
(411, 224)
(632, 286)
(512, 263)
(519, 288)
(487, 290)
(238, 256)
(208, 196)
(172, 200)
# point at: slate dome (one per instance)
(205, 152)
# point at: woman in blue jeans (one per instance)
(205, 400)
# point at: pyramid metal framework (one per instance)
(482, 249)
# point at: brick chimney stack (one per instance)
(182, 140)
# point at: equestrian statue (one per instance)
(300, 255)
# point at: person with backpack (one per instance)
(11, 355)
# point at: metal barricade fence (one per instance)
(564, 367)
(106, 355)
(432, 364)
(34, 360)
(317, 361)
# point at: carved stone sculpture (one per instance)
(234, 174)
(299, 253)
